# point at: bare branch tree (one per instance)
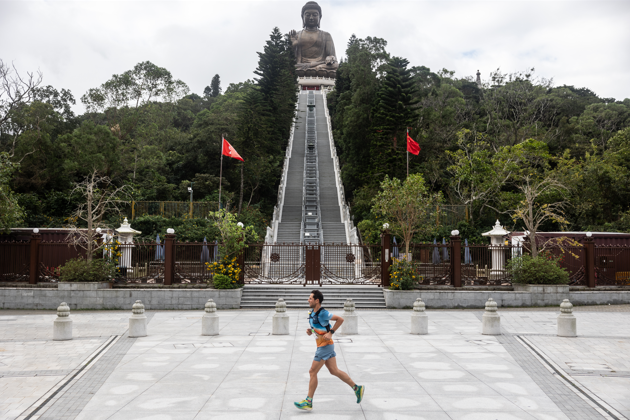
(15, 89)
(532, 213)
(100, 198)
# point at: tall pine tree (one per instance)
(395, 111)
(266, 117)
(215, 86)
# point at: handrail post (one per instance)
(456, 260)
(386, 257)
(169, 258)
(589, 263)
(36, 238)
(241, 264)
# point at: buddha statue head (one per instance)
(311, 15)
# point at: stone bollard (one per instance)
(491, 321)
(567, 324)
(137, 321)
(280, 324)
(350, 324)
(210, 320)
(419, 318)
(62, 329)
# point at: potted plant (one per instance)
(402, 279)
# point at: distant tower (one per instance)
(478, 79)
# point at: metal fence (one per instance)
(350, 264)
(167, 209)
(53, 255)
(333, 264)
(451, 264)
(15, 259)
(144, 262)
(612, 265)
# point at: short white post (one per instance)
(280, 321)
(137, 321)
(567, 324)
(210, 320)
(62, 328)
(491, 321)
(419, 318)
(350, 324)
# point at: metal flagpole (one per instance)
(221, 171)
(407, 142)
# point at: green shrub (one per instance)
(81, 270)
(402, 275)
(544, 269)
(221, 281)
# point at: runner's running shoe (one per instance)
(359, 393)
(304, 405)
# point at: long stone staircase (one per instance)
(311, 210)
(291, 212)
(264, 296)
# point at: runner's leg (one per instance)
(331, 364)
(313, 371)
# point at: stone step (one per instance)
(296, 296)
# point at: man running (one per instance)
(319, 319)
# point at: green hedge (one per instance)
(544, 269)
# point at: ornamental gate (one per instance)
(312, 264)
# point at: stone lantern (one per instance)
(497, 248)
(125, 235)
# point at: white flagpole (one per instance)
(221, 171)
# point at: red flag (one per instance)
(412, 146)
(228, 150)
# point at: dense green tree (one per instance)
(215, 86)
(395, 112)
(124, 96)
(91, 147)
(11, 213)
(352, 114)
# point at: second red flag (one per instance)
(412, 146)
(228, 150)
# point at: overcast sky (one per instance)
(80, 44)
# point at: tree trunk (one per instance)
(89, 221)
(532, 230)
(532, 239)
(240, 198)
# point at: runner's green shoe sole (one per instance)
(359, 393)
(304, 405)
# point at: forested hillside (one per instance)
(145, 129)
(482, 145)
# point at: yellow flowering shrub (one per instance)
(227, 267)
(402, 275)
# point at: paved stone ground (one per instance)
(452, 373)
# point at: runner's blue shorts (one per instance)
(325, 352)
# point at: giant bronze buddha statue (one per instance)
(314, 48)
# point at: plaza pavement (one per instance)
(246, 373)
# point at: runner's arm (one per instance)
(338, 321)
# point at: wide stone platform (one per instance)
(454, 372)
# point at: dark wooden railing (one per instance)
(452, 264)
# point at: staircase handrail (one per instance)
(277, 209)
(346, 219)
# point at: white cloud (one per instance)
(80, 44)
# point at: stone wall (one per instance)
(447, 299)
(46, 298)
